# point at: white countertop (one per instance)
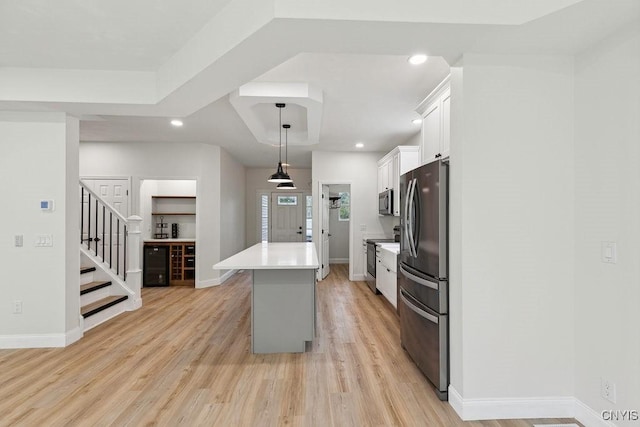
(391, 247)
(168, 240)
(266, 256)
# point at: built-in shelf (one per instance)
(173, 213)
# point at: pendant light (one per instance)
(286, 185)
(280, 175)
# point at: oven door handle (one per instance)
(418, 280)
(430, 317)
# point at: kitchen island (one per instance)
(283, 294)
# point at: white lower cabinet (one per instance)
(386, 279)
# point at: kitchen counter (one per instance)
(268, 256)
(283, 294)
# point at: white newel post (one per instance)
(134, 270)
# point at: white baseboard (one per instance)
(359, 277)
(73, 335)
(508, 408)
(338, 260)
(215, 282)
(589, 417)
(32, 341)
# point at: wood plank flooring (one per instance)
(184, 359)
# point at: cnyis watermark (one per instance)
(620, 415)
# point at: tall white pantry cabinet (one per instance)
(436, 123)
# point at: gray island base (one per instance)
(283, 310)
(283, 294)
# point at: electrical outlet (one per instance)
(608, 389)
(17, 307)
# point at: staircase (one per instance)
(98, 303)
(110, 279)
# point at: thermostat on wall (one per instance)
(46, 205)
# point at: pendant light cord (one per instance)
(286, 148)
(280, 133)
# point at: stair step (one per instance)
(93, 286)
(102, 304)
(84, 270)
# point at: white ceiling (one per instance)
(126, 68)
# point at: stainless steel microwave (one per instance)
(385, 202)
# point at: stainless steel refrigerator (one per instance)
(423, 300)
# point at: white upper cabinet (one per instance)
(385, 175)
(399, 161)
(436, 123)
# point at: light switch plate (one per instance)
(609, 252)
(44, 240)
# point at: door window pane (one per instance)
(287, 200)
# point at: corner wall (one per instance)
(40, 160)
(607, 208)
(512, 229)
(361, 171)
(168, 161)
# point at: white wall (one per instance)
(39, 162)
(607, 208)
(177, 187)
(339, 240)
(168, 161)
(512, 229)
(256, 180)
(232, 205)
(361, 171)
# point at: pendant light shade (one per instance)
(280, 175)
(286, 185)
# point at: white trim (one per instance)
(215, 282)
(359, 278)
(507, 408)
(588, 416)
(74, 335)
(32, 341)
(338, 260)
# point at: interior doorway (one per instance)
(335, 226)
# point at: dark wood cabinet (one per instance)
(181, 263)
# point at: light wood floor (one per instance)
(184, 359)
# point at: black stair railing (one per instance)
(98, 221)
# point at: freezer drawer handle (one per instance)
(418, 280)
(430, 317)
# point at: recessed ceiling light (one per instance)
(416, 121)
(177, 123)
(417, 59)
(359, 145)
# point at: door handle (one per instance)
(300, 232)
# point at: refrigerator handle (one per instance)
(412, 187)
(418, 280)
(414, 215)
(430, 317)
(406, 217)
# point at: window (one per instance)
(264, 217)
(309, 218)
(287, 200)
(345, 206)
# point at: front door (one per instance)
(287, 217)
